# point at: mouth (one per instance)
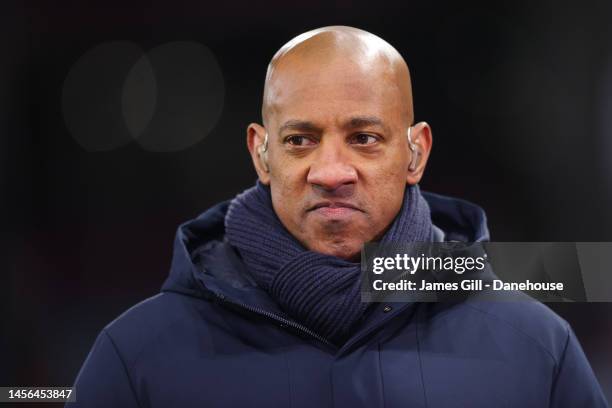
(334, 209)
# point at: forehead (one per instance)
(333, 91)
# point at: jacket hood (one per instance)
(204, 265)
(459, 220)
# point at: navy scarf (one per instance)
(320, 291)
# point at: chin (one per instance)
(349, 251)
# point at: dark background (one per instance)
(518, 94)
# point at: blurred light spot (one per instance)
(92, 94)
(139, 97)
(190, 93)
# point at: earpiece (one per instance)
(415, 152)
(261, 151)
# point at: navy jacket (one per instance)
(212, 338)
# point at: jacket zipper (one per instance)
(289, 323)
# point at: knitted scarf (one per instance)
(320, 291)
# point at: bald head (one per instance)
(337, 52)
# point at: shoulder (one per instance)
(527, 320)
(155, 323)
(520, 323)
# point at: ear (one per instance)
(255, 141)
(421, 137)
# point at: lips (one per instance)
(331, 205)
(335, 210)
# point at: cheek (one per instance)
(287, 188)
(387, 183)
(387, 173)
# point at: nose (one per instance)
(331, 170)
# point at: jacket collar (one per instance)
(204, 265)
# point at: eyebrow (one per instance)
(364, 121)
(301, 125)
(353, 123)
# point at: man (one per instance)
(262, 307)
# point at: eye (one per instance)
(300, 140)
(364, 139)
